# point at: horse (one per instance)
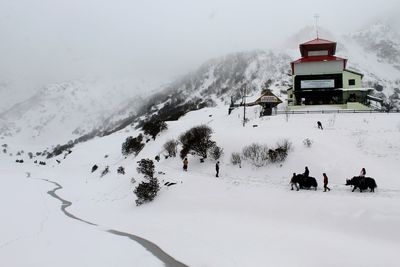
(362, 183)
(304, 182)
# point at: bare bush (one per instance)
(256, 154)
(308, 142)
(236, 159)
(171, 146)
(261, 155)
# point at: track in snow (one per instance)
(151, 247)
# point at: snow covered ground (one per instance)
(247, 217)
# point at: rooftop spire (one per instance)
(316, 17)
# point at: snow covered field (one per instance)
(247, 217)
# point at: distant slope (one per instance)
(84, 113)
(65, 111)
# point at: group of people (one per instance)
(325, 177)
(305, 174)
(186, 163)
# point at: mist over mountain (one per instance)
(63, 111)
(98, 108)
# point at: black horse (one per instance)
(303, 181)
(362, 183)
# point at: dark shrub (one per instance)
(198, 140)
(146, 191)
(121, 170)
(272, 155)
(104, 172)
(154, 126)
(282, 150)
(94, 168)
(132, 145)
(216, 152)
(308, 142)
(171, 146)
(378, 87)
(58, 150)
(184, 152)
(146, 167)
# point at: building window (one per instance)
(352, 82)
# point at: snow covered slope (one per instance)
(85, 113)
(248, 216)
(62, 112)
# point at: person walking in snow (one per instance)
(217, 169)
(319, 125)
(326, 182)
(363, 172)
(185, 164)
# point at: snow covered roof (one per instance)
(318, 41)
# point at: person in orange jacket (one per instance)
(185, 164)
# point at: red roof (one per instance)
(318, 44)
(318, 41)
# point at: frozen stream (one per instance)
(149, 246)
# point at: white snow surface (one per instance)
(247, 217)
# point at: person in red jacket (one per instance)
(326, 183)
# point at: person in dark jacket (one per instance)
(217, 169)
(306, 172)
(363, 172)
(326, 182)
(319, 125)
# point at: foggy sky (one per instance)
(44, 41)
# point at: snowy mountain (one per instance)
(248, 216)
(382, 40)
(78, 106)
(86, 112)
(375, 52)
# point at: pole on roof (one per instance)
(244, 105)
(316, 16)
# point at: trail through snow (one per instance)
(151, 247)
